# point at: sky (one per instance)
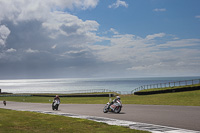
(99, 38)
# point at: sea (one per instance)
(83, 85)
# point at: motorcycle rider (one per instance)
(4, 102)
(56, 101)
(57, 98)
(114, 101)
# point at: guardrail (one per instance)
(168, 84)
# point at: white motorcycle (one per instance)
(115, 107)
(55, 104)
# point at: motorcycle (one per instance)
(115, 107)
(55, 104)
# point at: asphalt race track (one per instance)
(185, 117)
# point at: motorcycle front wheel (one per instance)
(105, 110)
(53, 106)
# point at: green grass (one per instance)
(189, 98)
(67, 100)
(31, 122)
(170, 88)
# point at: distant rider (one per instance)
(4, 102)
(114, 101)
(57, 99)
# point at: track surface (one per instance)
(186, 117)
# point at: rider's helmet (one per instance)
(118, 97)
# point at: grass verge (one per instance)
(31, 122)
(170, 88)
(189, 98)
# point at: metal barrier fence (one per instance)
(169, 84)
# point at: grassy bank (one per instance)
(170, 88)
(12, 121)
(189, 98)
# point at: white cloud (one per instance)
(11, 50)
(20, 10)
(114, 31)
(4, 33)
(159, 10)
(146, 67)
(181, 43)
(143, 54)
(150, 37)
(31, 51)
(123, 48)
(198, 16)
(118, 3)
(61, 23)
(56, 22)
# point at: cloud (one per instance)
(150, 37)
(198, 16)
(40, 39)
(31, 51)
(118, 3)
(146, 67)
(64, 24)
(114, 31)
(11, 50)
(45, 39)
(20, 10)
(144, 55)
(180, 43)
(4, 33)
(159, 10)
